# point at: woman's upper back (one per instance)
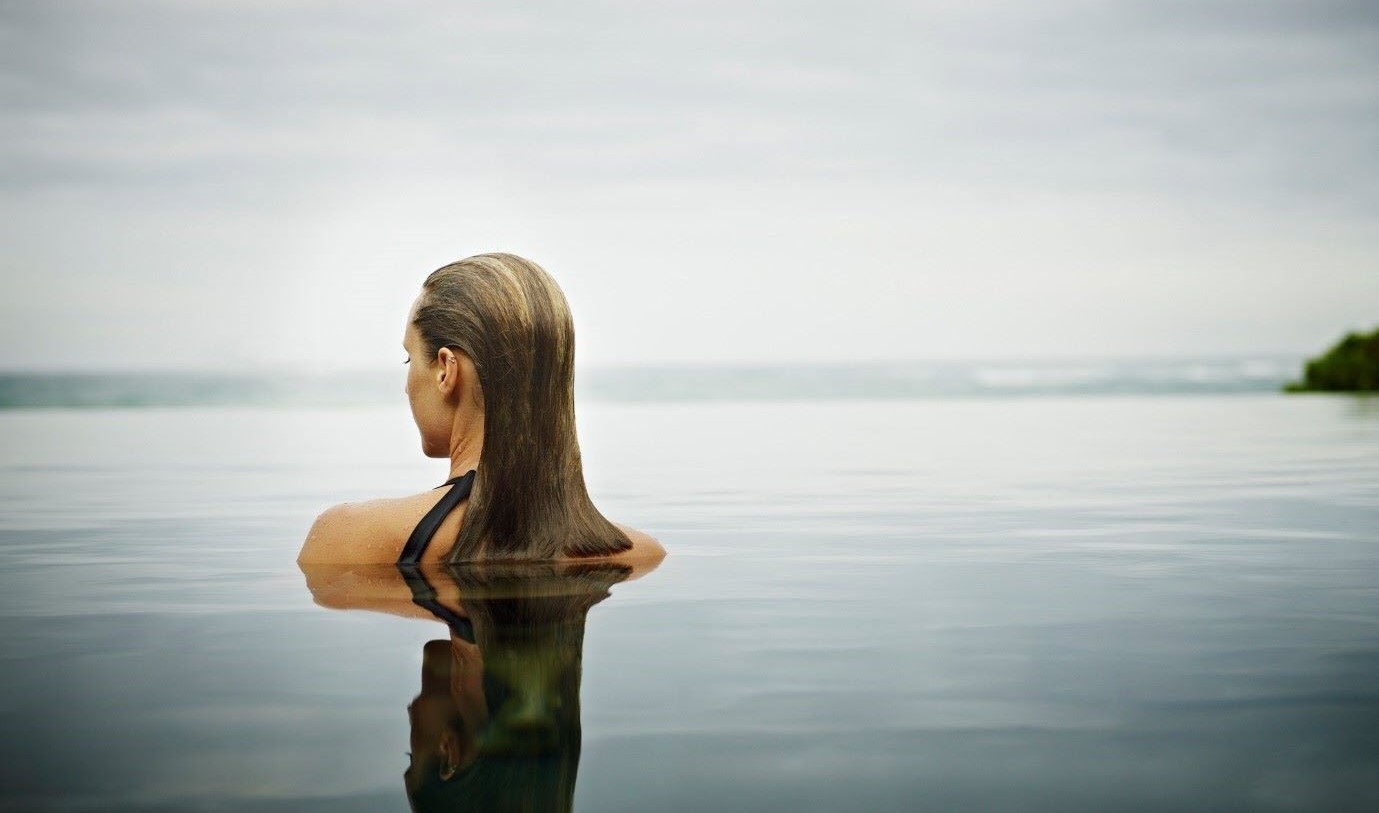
(415, 530)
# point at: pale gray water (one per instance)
(1061, 603)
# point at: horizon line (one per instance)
(304, 369)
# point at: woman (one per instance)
(490, 344)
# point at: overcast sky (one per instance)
(261, 182)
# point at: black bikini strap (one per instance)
(421, 535)
(425, 597)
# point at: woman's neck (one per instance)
(466, 443)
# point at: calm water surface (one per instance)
(1061, 603)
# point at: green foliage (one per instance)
(1351, 366)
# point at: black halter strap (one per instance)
(421, 535)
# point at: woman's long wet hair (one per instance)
(529, 500)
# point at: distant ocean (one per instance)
(837, 381)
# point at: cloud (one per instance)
(411, 130)
(1233, 97)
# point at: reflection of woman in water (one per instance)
(496, 725)
(490, 341)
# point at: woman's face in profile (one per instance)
(425, 400)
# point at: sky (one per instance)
(265, 183)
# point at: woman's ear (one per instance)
(448, 371)
(456, 375)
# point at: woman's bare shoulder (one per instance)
(361, 532)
